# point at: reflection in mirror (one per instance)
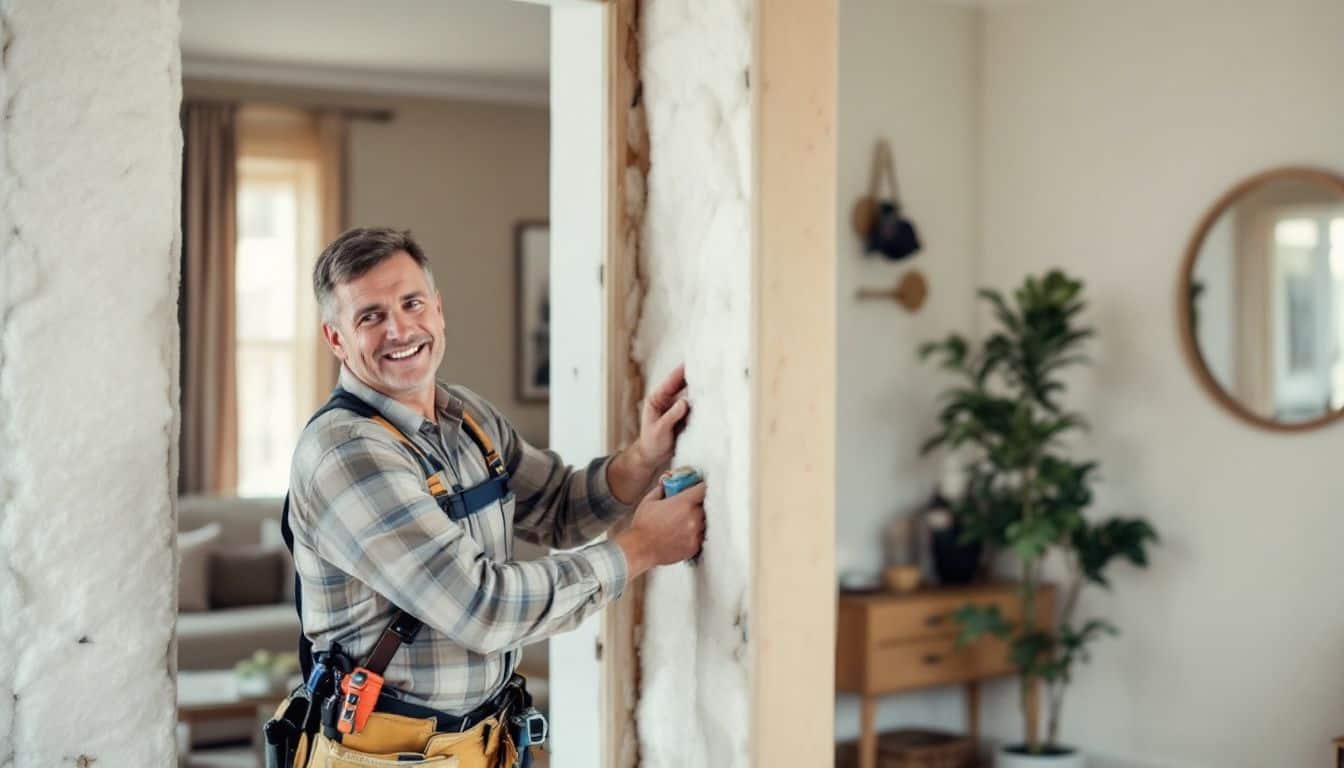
(1265, 304)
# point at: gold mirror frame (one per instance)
(1188, 341)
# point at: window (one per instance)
(280, 356)
(1309, 316)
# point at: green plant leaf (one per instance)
(1030, 651)
(1001, 310)
(976, 621)
(1097, 545)
(1030, 538)
(952, 351)
(1073, 643)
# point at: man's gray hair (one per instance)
(355, 252)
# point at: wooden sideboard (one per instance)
(889, 643)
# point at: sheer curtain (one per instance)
(291, 191)
(333, 170)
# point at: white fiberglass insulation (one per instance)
(696, 266)
(89, 190)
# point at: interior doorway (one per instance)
(439, 118)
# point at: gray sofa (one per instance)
(220, 636)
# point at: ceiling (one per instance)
(495, 43)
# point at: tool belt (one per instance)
(321, 724)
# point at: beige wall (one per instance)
(1100, 132)
(1108, 130)
(910, 73)
(460, 175)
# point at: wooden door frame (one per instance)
(793, 592)
(624, 290)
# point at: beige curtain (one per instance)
(209, 450)
(333, 169)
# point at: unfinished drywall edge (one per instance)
(89, 215)
(629, 167)
(695, 260)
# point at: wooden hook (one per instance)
(910, 292)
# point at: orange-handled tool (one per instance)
(360, 688)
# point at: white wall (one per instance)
(1108, 129)
(90, 150)
(909, 71)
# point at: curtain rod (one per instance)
(349, 113)
(370, 115)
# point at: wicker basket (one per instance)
(913, 749)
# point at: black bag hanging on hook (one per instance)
(889, 232)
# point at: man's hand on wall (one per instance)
(660, 422)
(661, 419)
(664, 531)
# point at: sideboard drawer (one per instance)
(889, 642)
(930, 616)
(900, 666)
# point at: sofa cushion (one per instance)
(241, 576)
(272, 536)
(194, 548)
(240, 517)
(218, 639)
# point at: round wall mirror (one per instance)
(1262, 299)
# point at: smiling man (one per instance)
(406, 495)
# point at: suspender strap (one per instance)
(482, 440)
(468, 501)
(402, 629)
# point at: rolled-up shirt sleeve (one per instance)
(373, 519)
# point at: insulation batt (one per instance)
(89, 166)
(695, 256)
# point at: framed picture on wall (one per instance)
(532, 241)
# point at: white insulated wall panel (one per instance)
(695, 260)
(89, 188)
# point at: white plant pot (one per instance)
(1005, 759)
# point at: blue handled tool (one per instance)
(677, 480)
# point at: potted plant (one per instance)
(264, 673)
(1025, 495)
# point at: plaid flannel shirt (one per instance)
(369, 538)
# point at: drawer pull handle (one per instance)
(932, 658)
(935, 620)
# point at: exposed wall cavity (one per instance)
(696, 268)
(89, 186)
(628, 613)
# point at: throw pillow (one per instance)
(193, 551)
(242, 576)
(271, 536)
